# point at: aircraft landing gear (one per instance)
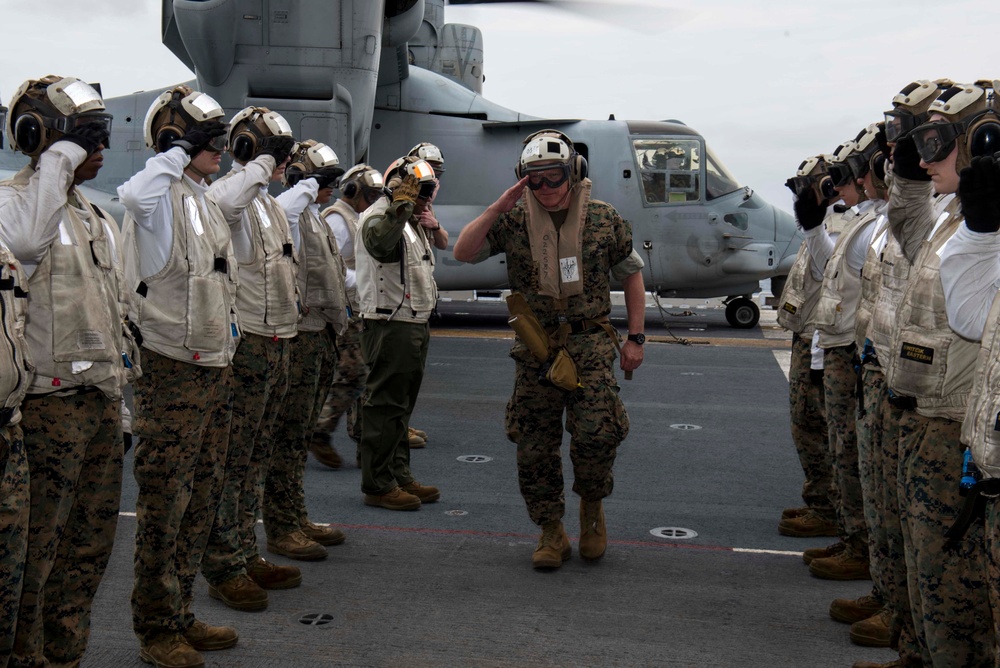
(742, 312)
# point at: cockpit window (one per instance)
(670, 169)
(718, 181)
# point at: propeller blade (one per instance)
(634, 15)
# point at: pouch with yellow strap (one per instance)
(562, 372)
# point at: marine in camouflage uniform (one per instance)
(72, 413)
(175, 239)
(595, 416)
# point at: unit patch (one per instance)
(915, 353)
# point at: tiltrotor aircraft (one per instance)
(371, 78)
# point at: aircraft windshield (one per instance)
(718, 181)
(670, 169)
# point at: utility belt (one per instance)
(69, 392)
(549, 346)
(901, 402)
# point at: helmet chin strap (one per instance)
(203, 175)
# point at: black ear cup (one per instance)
(350, 190)
(579, 169)
(244, 147)
(166, 137)
(29, 133)
(878, 166)
(984, 138)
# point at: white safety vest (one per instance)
(320, 276)
(981, 429)
(871, 282)
(929, 361)
(352, 218)
(187, 310)
(837, 305)
(392, 290)
(798, 300)
(15, 360)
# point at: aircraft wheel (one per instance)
(742, 313)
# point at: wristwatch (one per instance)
(639, 338)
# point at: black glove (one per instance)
(198, 136)
(808, 212)
(979, 192)
(816, 376)
(278, 147)
(882, 140)
(906, 161)
(327, 176)
(89, 136)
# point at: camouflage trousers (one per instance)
(14, 508)
(595, 420)
(878, 454)
(260, 381)
(840, 396)
(948, 592)
(809, 430)
(182, 419)
(345, 395)
(992, 522)
(74, 448)
(311, 360)
(396, 353)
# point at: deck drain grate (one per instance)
(316, 619)
(674, 533)
(456, 513)
(474, 459)
(685, 427)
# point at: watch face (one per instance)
(638, 338)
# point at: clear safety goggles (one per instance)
(218, 144)
(799, 184)
(935, 140)
(858, 164)
(552, 176)
(898, 123)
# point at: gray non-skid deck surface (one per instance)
(437, 588)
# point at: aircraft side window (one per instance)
(670, 169)
(718, 180)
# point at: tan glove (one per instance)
(407, 190)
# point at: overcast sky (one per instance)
(766, 83)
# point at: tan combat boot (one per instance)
(171, 651)
(297, 545)
(415, 440)
(206, 638)
(823, 552)
(553, 547)
(789, 513)
(874, 631)
(841, 566)
(850, 610)
(593, 533)
(273, 576)
(324, 452)
(240, 593)
(394, 499)
(322, 534)
(425, 493)
(807, 525)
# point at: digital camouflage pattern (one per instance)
(260, 381)
(182, 420)
(284, 502)
(878, 454)
(809, 431)
(74, 449)
(947, 588)
(840, 382)
(595, 420)
(348, 384)
(14, 508)
(595, 416)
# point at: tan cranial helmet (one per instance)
(174, 112)
(309, 157)
(812, 173)
(909, 106)
(43, 110)
(251, 128)
(430, 153)
(970, 121)
(362, 179)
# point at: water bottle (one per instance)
(970, 473)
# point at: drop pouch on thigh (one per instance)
(562, 371)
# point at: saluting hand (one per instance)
(509, 199)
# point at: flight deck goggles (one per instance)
(840, 173)
(935, 140)
(552, 176)
(218, 144)
(801, 184)
(899, 123)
